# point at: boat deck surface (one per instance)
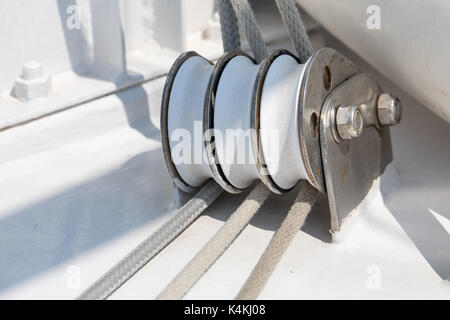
(83, 187)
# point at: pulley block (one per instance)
(279, 121)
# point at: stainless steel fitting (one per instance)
(349, 122)
(389, 109)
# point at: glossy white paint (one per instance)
(93, 48)
(411, 46)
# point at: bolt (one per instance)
(389, 109)
(349, 122)
(32, 83)
(32, 70)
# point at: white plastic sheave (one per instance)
(279, 113)
(232, 122)
(185, 118)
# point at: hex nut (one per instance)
(389, 109)
(349, 122)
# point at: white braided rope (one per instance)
(297, 33)
(145, 251)
(247, 22)
(279, 243)
(229, 26)
(190, 274)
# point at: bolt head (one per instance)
(389, 109)
(349, 122)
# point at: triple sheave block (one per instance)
(280, 121)
(251, 116)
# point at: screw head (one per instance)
(349, 122)
(389, 109)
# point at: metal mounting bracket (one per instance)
(325, 71)
(351, 165)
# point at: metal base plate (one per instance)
(351, 166)
(325, 71)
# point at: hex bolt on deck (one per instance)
(32, 83)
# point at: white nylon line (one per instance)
(190, 274)
(280, 242)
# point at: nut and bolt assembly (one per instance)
(389, 110)
(32, 83)
(349, 122)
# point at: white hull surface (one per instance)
(406, 40)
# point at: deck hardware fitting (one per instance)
(32, 83)
(341, 141)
